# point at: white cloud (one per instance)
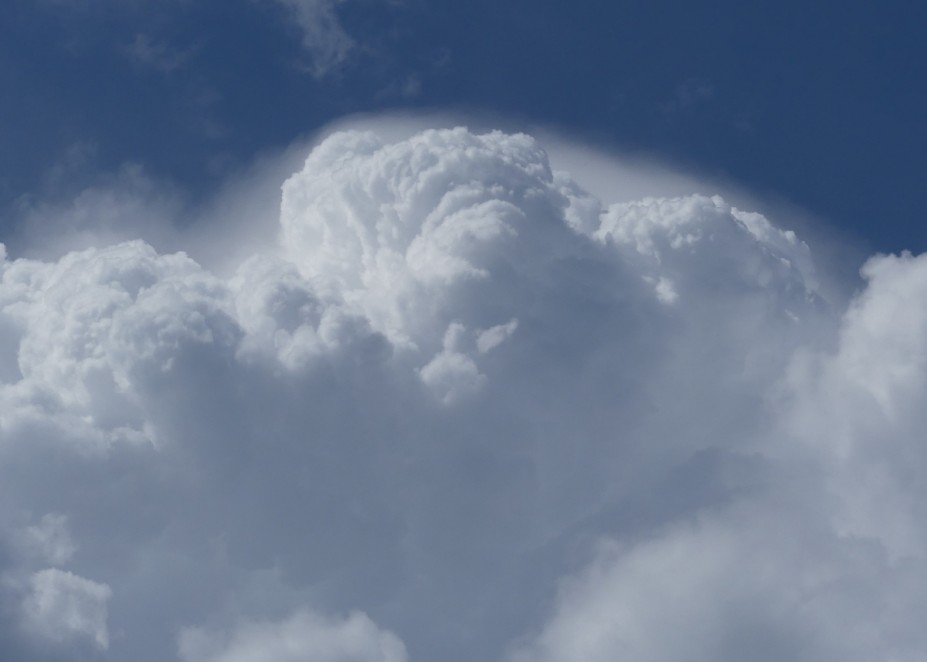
(394, 227)
(63, 606)
(123, 206)
(161, 56)
(501, 415)
(452, 374)
(302, 636)
(491, 338)
(759, 584)
(49, 540)
(324, 38)
(96, 327)
(857, 411)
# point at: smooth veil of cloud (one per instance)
(450, 403)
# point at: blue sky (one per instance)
(820, 104)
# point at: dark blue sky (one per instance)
(819, 103)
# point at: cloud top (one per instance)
(474, 407)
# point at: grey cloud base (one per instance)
(464, 411)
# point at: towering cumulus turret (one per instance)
(463, 410)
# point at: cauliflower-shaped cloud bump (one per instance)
(62, 607)
(392, 228)
(698, 241)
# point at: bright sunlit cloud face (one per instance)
(443, 399)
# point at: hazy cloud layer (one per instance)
(323, 36)
(459, 409)
(302, 636)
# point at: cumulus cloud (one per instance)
(757, 584)
(62, 606)
(485, 411)
(48, 540)
(123, 206)
(452, 373)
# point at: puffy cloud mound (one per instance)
(99, 327)
(483, 412)
(324, 38)
(397, 230)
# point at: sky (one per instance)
(409, 330)
(820, 105)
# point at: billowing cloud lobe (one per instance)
(463, 410)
